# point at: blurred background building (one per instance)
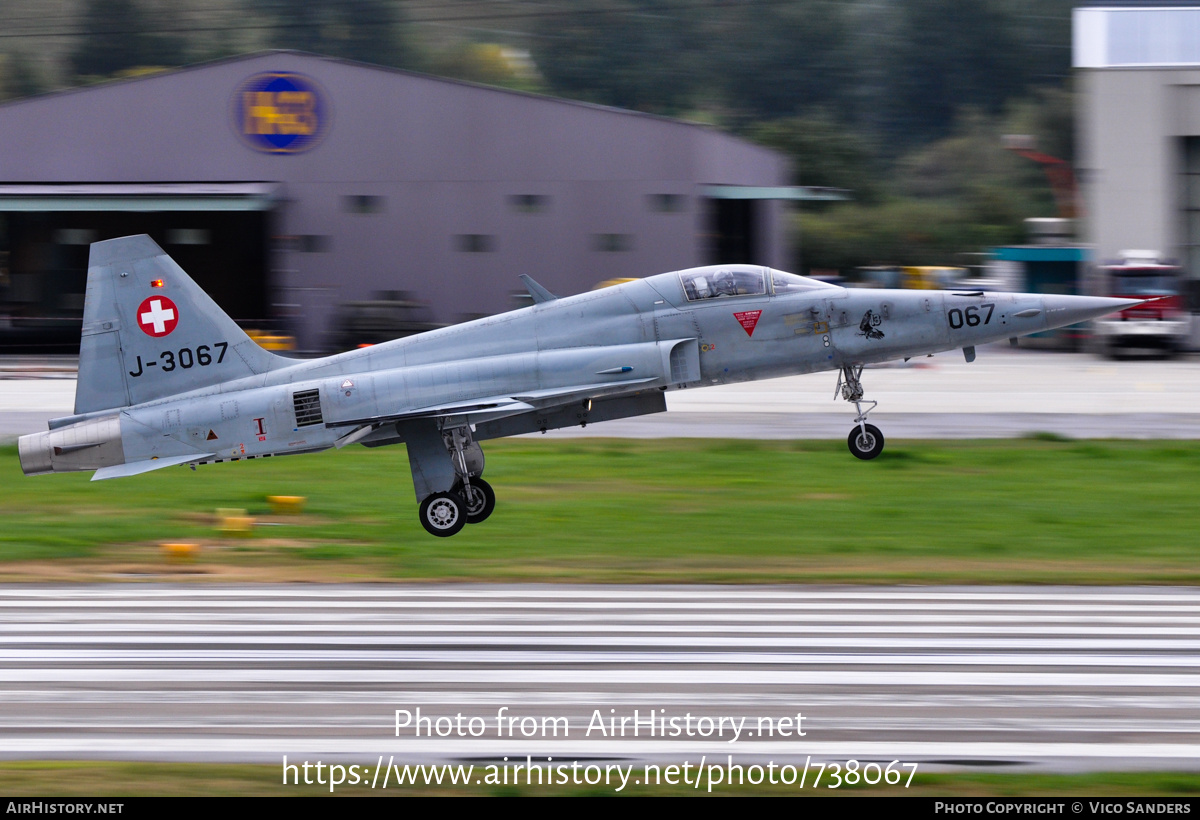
(1137, 69)
(289, 184)
(347, 198)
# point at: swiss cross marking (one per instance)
(157, 316)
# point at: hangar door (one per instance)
(219, 234)
(741, 220)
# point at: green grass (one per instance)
(1017, 511)
(105, 778)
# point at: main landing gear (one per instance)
(470, 500)
(865, 440)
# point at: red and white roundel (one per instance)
(157, 316)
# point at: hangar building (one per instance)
(287, 183)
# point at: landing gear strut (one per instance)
(467, 457)
(865, 440)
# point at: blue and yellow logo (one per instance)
(280, 113)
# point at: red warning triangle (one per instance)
(748, 319)
(211, 436)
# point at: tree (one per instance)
(487, 63)
(784, 59)
(372, 31)
(638, 54)
(119, 37)
(824, 153)
(17, 78)
(945, 55)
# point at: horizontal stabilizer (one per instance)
(139, 467)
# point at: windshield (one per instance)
(791, 283)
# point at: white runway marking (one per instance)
(1060, 678)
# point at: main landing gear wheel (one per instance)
(481, 500)
(444, 514)
(866, 442)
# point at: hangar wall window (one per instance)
(612, 242)
(304, 243)
(710, 284)
(74, 236)
(529, 203)
(315, 243)
(363, 204)
(189, 236)
(475, 242)
(667, 203)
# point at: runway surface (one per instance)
(1053, 678)
(1004, 393)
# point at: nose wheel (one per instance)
(865, 440)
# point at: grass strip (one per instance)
(124, 779)
(605, 510)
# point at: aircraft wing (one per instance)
(487, 409)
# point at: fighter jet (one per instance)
(167, 378)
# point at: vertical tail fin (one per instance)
(149, 331)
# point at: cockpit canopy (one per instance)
(718, 281)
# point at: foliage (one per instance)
(488, 63)
(895, 232)
(900, 71)
(783, 59)
(17, 77)
(934, 512)
(954, 196)
(119, 36)
(371, 31)
(645, 55)
(824, 153)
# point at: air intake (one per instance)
(308, 408)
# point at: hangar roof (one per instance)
(290, 115)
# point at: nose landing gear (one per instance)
(865, 440)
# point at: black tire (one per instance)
(865, 446)
(480, 501)
(443, 514)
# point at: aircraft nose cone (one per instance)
(1067, 310)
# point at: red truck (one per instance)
(1163, 324)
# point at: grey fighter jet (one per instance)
(166, 378)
